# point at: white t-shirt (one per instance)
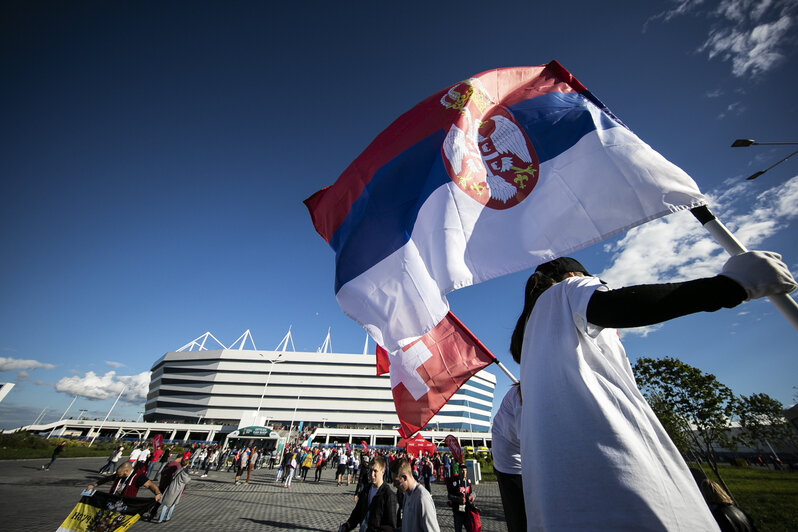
(134, 455)
(504, 432)
(144, 455)
(595, 455)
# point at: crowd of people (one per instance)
(370, 471)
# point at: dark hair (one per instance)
(536, 284)
(546, 275)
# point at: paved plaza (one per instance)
(34, 500)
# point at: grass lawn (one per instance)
(769, 497)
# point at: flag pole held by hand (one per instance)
(783, 302)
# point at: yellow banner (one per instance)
(88, 518)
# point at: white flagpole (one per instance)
(783, 302)
(108, 414)
(62, 415)
(505, 370)
(67, 410)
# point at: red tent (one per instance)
(416, 445)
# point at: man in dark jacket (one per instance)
(376, 503)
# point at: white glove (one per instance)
(760, 273)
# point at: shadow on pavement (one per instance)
(282, 524)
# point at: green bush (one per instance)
(23, 444)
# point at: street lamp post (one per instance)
(268, 378)
(744, 143)
(293, 418)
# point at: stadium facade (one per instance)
(237, 386)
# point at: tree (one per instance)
(700, 405)
(762, 420)
(674, 425)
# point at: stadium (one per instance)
(336, 396)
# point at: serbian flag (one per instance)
(495, 174)
(427, 372)
(104, 511)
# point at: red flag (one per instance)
(157, 440)
(426, 373)
(454, 446)
(365, 446)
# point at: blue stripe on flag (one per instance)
(382, 218)
(381, 221)
(556, 121)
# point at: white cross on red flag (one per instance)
(426, 373)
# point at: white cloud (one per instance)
(22, 375)
(682, 7)
(754, 35)
(93, 386)
(678, 248)
(736, 108)
(751, 51)
(640, 331)
(11, 364)
(113, 364)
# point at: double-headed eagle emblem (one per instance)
(486, 151)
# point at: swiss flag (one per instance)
(426, 373)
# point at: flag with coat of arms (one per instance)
(495, 174)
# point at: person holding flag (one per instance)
(594, 456)
(127, 481)
(495, 174)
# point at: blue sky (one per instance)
(156, 155)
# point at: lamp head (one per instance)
(742, 143)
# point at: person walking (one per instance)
(162, 461)
(418, 509)
(376, 505)
(113, 461)
(243, 463)
(134, 455)
(56, 453)
(307, 463)
(210, 461)
(319, 465)
(272, 458)
(461, 498)
(153, 465)
(579, 395)
(341, 471)
(173, 494)
(143, 458)
(253, 458)
(291, 468)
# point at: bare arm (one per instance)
(153, 488)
